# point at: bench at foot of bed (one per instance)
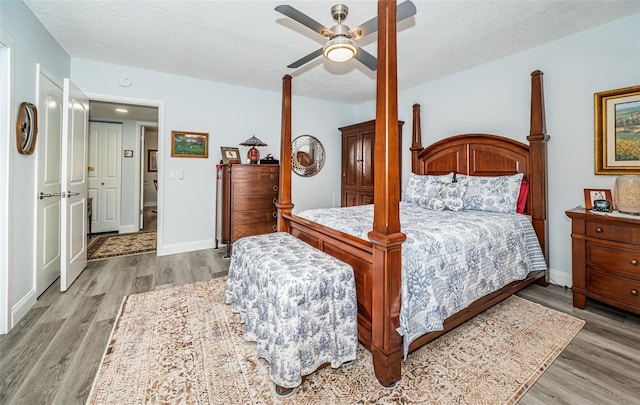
(298, 304)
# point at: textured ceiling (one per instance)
(248, 43)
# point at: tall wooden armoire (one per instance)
(358, 146)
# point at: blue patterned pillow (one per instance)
(492, 194)
(425, 186)
(451, 196)
(430, 203)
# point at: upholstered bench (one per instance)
(298, 304)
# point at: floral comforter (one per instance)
(449, 259)
(298, 304)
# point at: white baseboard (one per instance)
(186, 247)
(22, 307)
(560, 278)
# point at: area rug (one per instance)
(184, 345)
(107, 246)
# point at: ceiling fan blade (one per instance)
(304, 20)
(404, 10)
(367, 59)
(306, 59)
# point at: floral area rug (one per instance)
(184, 345)
(107, 246)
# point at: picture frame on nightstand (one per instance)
(593, 194)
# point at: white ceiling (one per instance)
(248, 43)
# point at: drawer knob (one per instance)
(275, 188)
(275, 214)
(275, 227)
(271, 176)
(634, 262)
(598, 230)
(634, 293)
(274, 200)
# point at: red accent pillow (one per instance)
(522, 197)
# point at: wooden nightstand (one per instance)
(606, 256)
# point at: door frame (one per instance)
(6, 144)
(138, 175)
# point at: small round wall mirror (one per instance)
(26, 128)
(307, 155)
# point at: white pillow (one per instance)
(492, 194)
(425, 186)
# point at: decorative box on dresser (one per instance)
(246, 197)
(606, 256)
(358, 145)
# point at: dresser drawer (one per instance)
(241, 231)
(617, 288)
(253, 172)
(255, 216)
(254, 202)
(255, 188)
(617, 233)
(618, 260)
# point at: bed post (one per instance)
(538, 159)
(284, 204)
(416, 144)
(386, 238)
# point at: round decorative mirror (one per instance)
(307, 155)
(26, 128)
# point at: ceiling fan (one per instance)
(341, 46)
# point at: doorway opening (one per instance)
(139, 123)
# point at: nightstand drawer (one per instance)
(618, 260)
(617, 233)
(617, 288)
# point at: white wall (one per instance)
(32, 45)
(230, 114)
(495, 98)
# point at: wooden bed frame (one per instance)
(377, 262)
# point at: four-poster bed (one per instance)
(377, 261)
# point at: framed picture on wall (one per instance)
(152, 160)
(617, 131)
(189, 144)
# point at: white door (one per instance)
(48, 183)
(75, 122)
(104, 171)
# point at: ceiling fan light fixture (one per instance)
(340, 49)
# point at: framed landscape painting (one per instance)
(189, 144)
(617, 131)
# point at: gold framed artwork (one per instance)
(617, 131)
(230, 155)
(189, 144)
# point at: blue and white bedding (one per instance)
(449, 259)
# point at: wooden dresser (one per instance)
(358, 145)
(606, 256)
(246, 197)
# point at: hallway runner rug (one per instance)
(108, 246)
(184, 345)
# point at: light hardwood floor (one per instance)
(52, 355)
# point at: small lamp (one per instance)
(253, 154)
